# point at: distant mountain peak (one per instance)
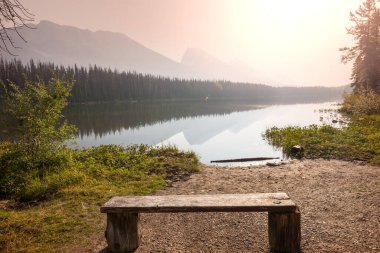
(46, 22)
(194, 56)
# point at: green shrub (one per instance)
(37, 188)
(362, 102)
(18, 170)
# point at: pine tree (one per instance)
(366, 51)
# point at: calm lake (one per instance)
(214, 130)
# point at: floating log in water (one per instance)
(245, 160)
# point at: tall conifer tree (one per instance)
(366, 51)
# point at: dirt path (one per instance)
(339, 202)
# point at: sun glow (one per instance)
(278, 19)
(276, 33)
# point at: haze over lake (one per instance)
(214, 130)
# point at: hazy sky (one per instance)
(295, 41)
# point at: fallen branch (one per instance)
(245, 159)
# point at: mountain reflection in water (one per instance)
(214, 130)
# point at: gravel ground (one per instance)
(339, 203)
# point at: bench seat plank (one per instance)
(255, 202)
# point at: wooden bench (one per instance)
(123, 214)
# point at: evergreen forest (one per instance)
(97, 84)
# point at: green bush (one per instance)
(37, 188)
(20, 174)
(362, 102)
(33, 121)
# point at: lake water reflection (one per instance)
(214, 130)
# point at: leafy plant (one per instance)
(33, 117)
(361, 102)
(358, 141)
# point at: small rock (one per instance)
(296, 149)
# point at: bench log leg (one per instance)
(285, 232)
(122, 232)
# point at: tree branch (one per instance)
(13, 15)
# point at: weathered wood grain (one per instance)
(257, 202)
(122, 232)
(284, 231)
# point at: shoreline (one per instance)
(339, 202)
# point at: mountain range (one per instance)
(67, 45)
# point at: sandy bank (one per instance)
(339, 202)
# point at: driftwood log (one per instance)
(253, 159)
(284, 218)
